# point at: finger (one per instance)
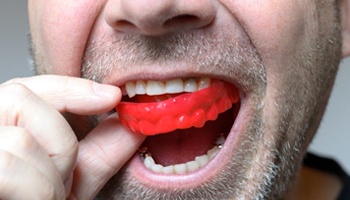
(101, 155)
(20, 107)
(21, 144)
(72, 94)
(19, 180)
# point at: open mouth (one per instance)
(187, 121)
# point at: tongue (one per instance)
(181, 146)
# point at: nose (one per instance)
(158, 17)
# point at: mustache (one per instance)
(222, 53)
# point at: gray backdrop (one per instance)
(332, 140)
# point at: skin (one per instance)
(283, 55)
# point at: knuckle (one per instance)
(48, 192)
(14, 93)
(22, 139)
(65, 161)
(14, 80)
(66, 81)
(17, 137)
(7, 161)
(17, 140)
(14, 87)
(13, 98)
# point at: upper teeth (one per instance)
(170, 87)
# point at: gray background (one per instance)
(332, 140)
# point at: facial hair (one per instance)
(211, 52)
(244, 177)
(310, 74)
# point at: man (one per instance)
(233, 92)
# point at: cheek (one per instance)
(274, 26)
(60, 31)
(279, 30)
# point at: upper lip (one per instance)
(233, 63)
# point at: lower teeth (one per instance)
(183, 168)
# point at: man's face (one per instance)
(281, 55)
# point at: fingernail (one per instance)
(106, 90)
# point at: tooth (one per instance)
(220, 141)
(154, 88)
(180, 169)
(168, 169)
(202, 160)
(190, 85)
(192, 166)
(123, 91)
(157, 168)
(212, 152)
(140, 87)
(171, 87)
(130, 89)
(149, 162)
(174, 86)
(203, 83)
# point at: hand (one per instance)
(39, 150)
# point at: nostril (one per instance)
(161, 17)
(181, 20)
(123, 23)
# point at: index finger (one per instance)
(72, 94)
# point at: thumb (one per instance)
(101, 155)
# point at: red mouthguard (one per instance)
(181, 112)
